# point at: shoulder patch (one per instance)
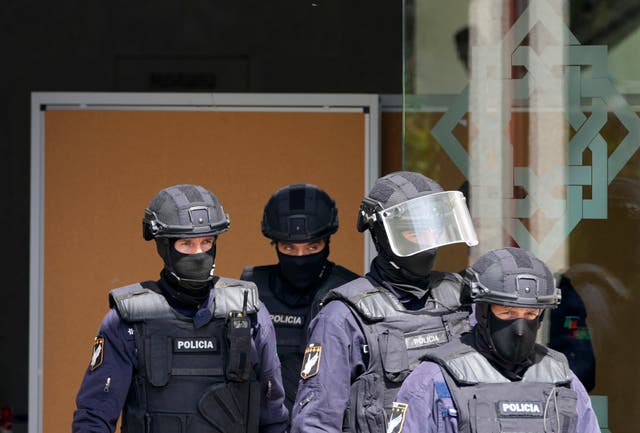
(311, 361)
(97, 354)
(396, 419)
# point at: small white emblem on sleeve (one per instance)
(97, 354)
(311, 361)
(396, 419)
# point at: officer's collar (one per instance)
(201, 315)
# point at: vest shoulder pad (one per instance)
(140, 301)
(467, 366)
(446, 288)
(340, 273)
(551, 366)
(251, 273)
(464, 364)
(338, 277)
(370, 302)
(247, 273)
(230, 297)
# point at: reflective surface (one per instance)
(428, 222)
(532, 110)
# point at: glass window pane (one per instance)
(532, 109)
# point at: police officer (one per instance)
(191, 352)
(370, 332)
(299, 219)
(496, 378)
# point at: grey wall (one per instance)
(313, 46)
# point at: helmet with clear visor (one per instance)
(428, 222)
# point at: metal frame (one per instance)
(41, 101)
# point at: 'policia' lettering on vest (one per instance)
(195, 345)
(287, 319)
(426, 340)
(474, 383)
(533, 408)
(291, 321)
(173, 352)
(396, 338)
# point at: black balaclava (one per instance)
(401, 278)
(408, 274)
(507, 344)
(303, 273)
(189, 276)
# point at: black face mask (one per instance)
(197, 268)
(513, 339)
(414, 269)
(190, 275)
(303, 272)
(418, 265)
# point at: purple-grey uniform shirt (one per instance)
(104, 390)
(322, 399)
(431, 409)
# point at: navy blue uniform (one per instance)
(338, 356)
(107, 381)
(430, 408)
(291, 312)
(322, 399)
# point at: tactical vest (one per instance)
(396, 340)
(291, 322)
(486, 401)
(191, 380)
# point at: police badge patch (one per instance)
(97, 354)
(311, 361)
(396, 419)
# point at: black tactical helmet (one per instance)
(299, 212)
(511, 276)
(391, 190)
(183, 211)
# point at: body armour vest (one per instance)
(191, 379)
(487, 401)
(396, 340)
(291, 319)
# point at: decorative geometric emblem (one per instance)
(595, 87)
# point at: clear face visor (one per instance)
(428, 222)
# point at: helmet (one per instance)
(183, 211)
(299, 212)
(413, 214)
(513, 277)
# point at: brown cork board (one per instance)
(101, 169)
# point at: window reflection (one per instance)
(532, 109)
